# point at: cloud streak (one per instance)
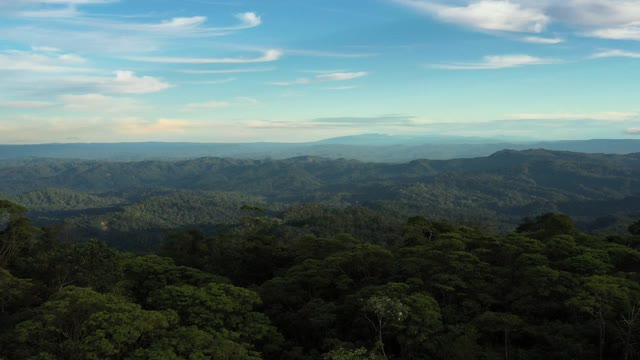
(26, 61)
(329, 77)
(99, 103)
(25, 104)
(497, 62)
(616, 53)
(267, 56)
(213, 105)
(602, 116)
(606, 19)
(226, 71)
(498, 15)
(543, 40)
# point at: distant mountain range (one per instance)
(367, 147)
(498, 190)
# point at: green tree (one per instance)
(219, 309)
(79, 323)
(504, 323)
(548, 225)
(14, 293)
(16, 231)
(381, 311)
(634, 229)
(346, 354)
(604, 297)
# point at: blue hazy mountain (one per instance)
(368, 147)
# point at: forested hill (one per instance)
(573, 172)
(600, 191)
(277, 290)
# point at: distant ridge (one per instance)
(367, 147)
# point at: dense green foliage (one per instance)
(277, 288)
(115, 201)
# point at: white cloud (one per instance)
(64, 13)
(136, 126)
(191, 25)
(616, 53)
(249, 20)
(497, 62)
(25, 104)
(328, 54)
(227, 71)
(267, 56)
(629, 31)
(603, 116)
(341, 88)
(86, 40)
(14, 60)
(632, 131)
(340, 76)
(67, 2)
(498, 15)
(211, 82)
(45, 49)
(608, 19)
(175, 24)
(126, 82)
(208, 105)
(211, 105)
(543, 40)
(99, 102)
(592, 13)
(72, 59)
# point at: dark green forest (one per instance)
(519, 255)
(132, 205)
(267, 288)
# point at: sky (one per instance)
(294, 71)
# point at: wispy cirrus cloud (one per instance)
(211, 82)
(225, 71)
(543, 40)
(25, 104)
(329, 54)
(607, 19)
(392, 119)
(616, 53)
(341, 88)
(267, 56)
(497, 62)
(54, 85)
(99, 103)
(28, 61)
(629, 31)
(499, 15)
(65, 2)
(328, 77)
(193, 26)
(137, 126)
(613, 116)
(212, 105)
(66, 28)
(182, 25)
(126, 82)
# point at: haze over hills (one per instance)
(107, 198)
(368, 147)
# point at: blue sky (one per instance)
(285, 70)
